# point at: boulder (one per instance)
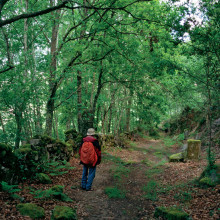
(171, 213)
(71, 134)
(35, 142)
(31, 210)
(179, 157)
(193, 149)
(63, 213)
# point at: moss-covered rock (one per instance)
(210, 176)
(43, 178)
(206, 181)
(47, 140)
(31, 210)
(71, 134)
(63, 213)
(170, 213)
(179, 157)
(57, 188)
(23, 150)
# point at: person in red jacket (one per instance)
(89, 171)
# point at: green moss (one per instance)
(31, 210)
(179, 157)
(44, 178)
(193, 141)
(206, 181)
(26, 146)
(47, 140)
(63, 213)
(73, 132)
(69, 147)
(23, 150)
(170, 213)
(57, 188)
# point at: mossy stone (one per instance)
(23, 150)
(63, 213)
(179, 157)
(44, 178)
(193, 149)
(47, 140)
(25, 146)
(57, 188)
(207, 181)
(171, 213)
(193, 141)
(31, 210)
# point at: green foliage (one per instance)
(11, 189)
(183, 196)
(63, 213)
(154, 170)
(120, 170)
(169, 142)
(171, 213)
(55, 167)
(31, 210)
(114, 193)
(151, 190)
(56, 192)
(43, 178)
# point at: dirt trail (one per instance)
(142, 173)
(97, 205)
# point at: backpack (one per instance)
(88, 154)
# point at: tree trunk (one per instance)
(26, 40)
(18, 118)
(56, 125)
(2, 123)
(79, 100)
(53, 68)
(128, 112)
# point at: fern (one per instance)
(51, 194)
(9, 188)
(55, 168)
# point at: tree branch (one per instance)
(7, 69)
(31, 15)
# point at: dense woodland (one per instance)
(124, 67)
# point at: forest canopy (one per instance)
(113, 65)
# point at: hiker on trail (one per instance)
(90, 156)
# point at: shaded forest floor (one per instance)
(129, 184)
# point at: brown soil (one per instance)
(145, 162)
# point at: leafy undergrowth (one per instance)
(130, 183)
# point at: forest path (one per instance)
(131, 182)
(123, 171)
